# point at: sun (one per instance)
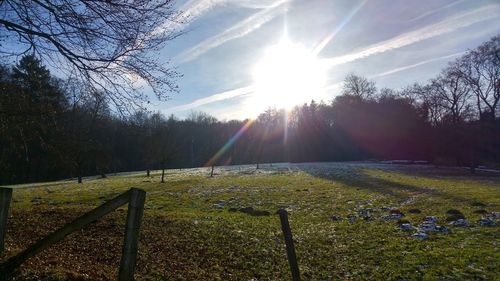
(288, 74)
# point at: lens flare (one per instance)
(229, 143)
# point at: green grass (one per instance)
(184, 237)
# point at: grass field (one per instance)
(189, 233)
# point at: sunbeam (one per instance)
(229, 143)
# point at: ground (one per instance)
(189, 232)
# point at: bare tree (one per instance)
(387, 93)
(358, 86)
(481, 70)
(421, 96)
(451, 92)
(109, 45)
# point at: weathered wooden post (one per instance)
(163, 175)
(290, 248)
(5, 197)
(130, 245)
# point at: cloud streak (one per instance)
(191, 10)
(188, 12)
(435, 11)
(239, 30)
(427, 32)
(214, 98)
(406, 67)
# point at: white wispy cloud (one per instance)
(195, 8)
(214, 98)
(255, 4)
(406, 67)
(241, 29)
(191, 10)
(187, 13)
(432, 12)
(427, 32)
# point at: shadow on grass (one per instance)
(43, 184)
(444, 172)
(356, 177)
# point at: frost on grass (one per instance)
(345, 219)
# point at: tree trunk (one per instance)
(147, 172)
(212, 172)
(475, 143)
(472, 161)
(163, 175)
(79, 179)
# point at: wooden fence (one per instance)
(135, 199)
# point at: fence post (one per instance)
(290, 248)
(130, 244)
(5, 197)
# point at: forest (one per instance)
(52, 128)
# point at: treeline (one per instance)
(52, 128)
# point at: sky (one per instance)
(239, 57)
(393, 42)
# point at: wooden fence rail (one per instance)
(134, 197)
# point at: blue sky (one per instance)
(394, 42)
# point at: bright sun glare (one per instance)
(288, 74)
